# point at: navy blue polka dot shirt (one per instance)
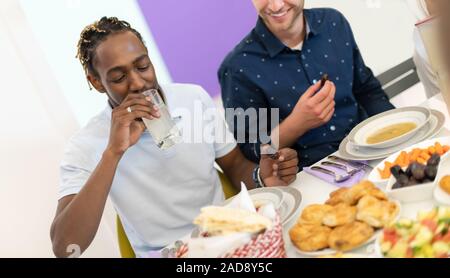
(261, 72)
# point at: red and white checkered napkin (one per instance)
(269, 244)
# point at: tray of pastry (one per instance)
(349, 219)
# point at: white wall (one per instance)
(36, 123)
(383, 29)
(57, 25)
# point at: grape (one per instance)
(431, 172)
(396, 171)
(434, 160)
(418, 171)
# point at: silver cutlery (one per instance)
(171, 252)
(337, 177)
(354, 164)
(349, 170)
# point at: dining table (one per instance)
(316, 191)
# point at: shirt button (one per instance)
(332, 128)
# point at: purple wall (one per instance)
(194, 36)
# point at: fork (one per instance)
(337, 177)
(351, 171)
(354, 164)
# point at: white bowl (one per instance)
(440, 195)
(409, 194)
(417, 115)
(263, 196)
(375, 177)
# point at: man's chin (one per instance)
(277, 25)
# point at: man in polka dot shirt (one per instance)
(278, 65)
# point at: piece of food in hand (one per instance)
(323, 80)
(340, 215)
(445, 184)
(313, 214)
(218, 221)
(310, 238)
(375, 212)
(350, 236)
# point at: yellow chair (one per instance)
(126, 251)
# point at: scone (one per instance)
(350, 236)
(377, 193)
(310, 238)
(358, 191)
(445, 184)
(375, 212)
(337, 197)
(340, 215)
(314, 214)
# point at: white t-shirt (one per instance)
(157, 193)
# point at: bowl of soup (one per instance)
(390, 128)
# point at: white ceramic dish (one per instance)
(374, 175)
(329, 251)
(440, 195)
(416, 115)
(291, 203)
(409, 194)
(262, 196)
(349, 151)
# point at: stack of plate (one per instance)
(427, 124)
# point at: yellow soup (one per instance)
(390, 132)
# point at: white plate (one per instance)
(415, 114)
(261, 196)
(440, 195)
(375, 177)
(349, 151)
(291, 203)
(329, 251)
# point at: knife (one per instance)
(355, 164)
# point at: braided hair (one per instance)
(95, 33)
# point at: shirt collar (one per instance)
(273, 45)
